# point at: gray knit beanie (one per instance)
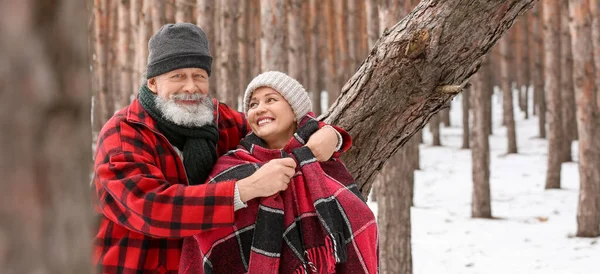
(288, 87)
(175, 46)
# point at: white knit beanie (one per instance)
(288, 87)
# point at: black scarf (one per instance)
(198, 144)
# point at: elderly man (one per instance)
(154, 156)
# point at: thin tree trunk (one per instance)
(113, 66)
(124, 61)
(229, 87)
(434, 127)
(595, 10)
(588, 122)
(372, 22)
(170, 10)
(518, 62)
(465, 119)
(46, 218)
(569, 124)
(134, 22)
(343, 60)
(315, 68)
(396, 185)
(552, 10)
(333, 87)
(394, 202)
(537, 71)
(481, 203)
(297, 43)
(183, 11)
(105, 100)
(158, 14)
(144, 35)
(445, 116)
(507, 98)
(526, 76)
(489, 93)
(352, 21)
(205, 10)
(273, 49)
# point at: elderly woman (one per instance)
(318, 224)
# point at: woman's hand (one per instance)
(323, 143)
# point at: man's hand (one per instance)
(323, 143)
(269, 179)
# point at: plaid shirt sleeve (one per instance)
(132, 190)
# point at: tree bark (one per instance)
(537, 71)
(552, 10)
(507, 98)
(273, 50)
(569, 124)
(124, 61)
(158, 14)
(588, 119)
(144, 36)
(465, 119)
(45, 213)
(297, 44)
(446, 116)
(229, 87)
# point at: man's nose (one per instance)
(190, 86)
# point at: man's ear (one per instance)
(151, 83)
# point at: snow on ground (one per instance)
(534, 229)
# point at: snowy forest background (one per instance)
(504, 177)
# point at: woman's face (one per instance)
(271, 117)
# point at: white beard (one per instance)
(188, 116)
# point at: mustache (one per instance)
(187, 97)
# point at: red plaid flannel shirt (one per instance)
(142, 192)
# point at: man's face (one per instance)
(182, 96)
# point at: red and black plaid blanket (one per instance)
(318, 225)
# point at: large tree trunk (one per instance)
(297, 44)
(552, 10)
(45, 213)
(569, 124)
(273, 50)
(507, 96)
(537, 71)
(481, 202)
(124, 61)
(588, 120)
(414, 70)
(229, 87)
(465, 119)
